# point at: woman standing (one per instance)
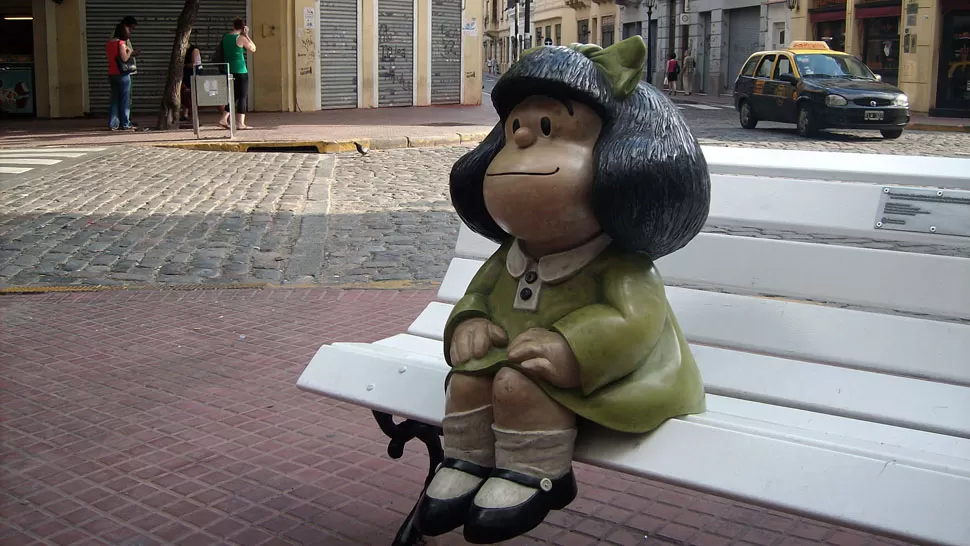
(234, 45)
(119, 54)
(673, 71)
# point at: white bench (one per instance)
(855, 411)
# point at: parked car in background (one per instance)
(817, 88)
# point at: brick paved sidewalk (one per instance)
(172, 417)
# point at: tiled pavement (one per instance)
(172, 417)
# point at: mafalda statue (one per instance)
(589, 177)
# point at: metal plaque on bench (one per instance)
(924, 210)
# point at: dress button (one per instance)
(526, 293)
(531, 277)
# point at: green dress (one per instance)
(234, 54)
(636, 368)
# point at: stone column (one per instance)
(719, 41)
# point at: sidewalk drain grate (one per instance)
(284, 149)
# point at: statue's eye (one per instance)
(515, 125)
(546, 125)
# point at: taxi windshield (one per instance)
(821, 65)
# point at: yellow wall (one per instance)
(307, 64)
(423, 54)
(271, 89)
(58, 59)
(44, 76)
(471, 51)
(367, 54)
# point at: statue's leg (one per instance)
(534, 440)
(469, 449)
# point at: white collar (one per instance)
(557, 267)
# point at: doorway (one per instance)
(17, 59)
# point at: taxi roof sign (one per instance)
(808, 45)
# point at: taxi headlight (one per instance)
(835, 100)
(901, 100)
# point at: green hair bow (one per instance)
(621, 63)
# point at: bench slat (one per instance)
(798, 474)
(803, 206)
(955, 451)
(882, 398)
(908, 346)
(944, 172)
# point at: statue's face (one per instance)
(538, 188)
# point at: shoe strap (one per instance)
(468, 468)
(518, 477)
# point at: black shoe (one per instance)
(438, 516)
(490, 525)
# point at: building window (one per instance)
(880, 47)
(548, 31)
(558, 34)
(584, 31)
(632, 29)
(609, 32)
(832, 33)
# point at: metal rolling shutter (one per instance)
(157, 20)
(338, 54)
(395, 52)
(744, 35)
(445, 51)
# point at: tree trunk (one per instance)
(171, 107)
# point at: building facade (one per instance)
(311, 54)
(922, 46)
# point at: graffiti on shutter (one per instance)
(395, 50)
(154, 36)
(338, 54)
(445, 51)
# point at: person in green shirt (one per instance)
(589, 177)
(234, 45)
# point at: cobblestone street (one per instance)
(167, 216)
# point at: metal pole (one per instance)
(650, 44)
(232, 103)
(528, 26)
(195, 102)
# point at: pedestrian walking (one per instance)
(234, 46)
(130, 23)
(673, 72)
(120, 67)
(689, 66)
(193, 58)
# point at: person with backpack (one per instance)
(234, 45)
(673, 72)
(120, 67)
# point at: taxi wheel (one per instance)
(748, 121)
(806, 121)
(891, 133)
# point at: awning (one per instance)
(822, 16)
(880, 11)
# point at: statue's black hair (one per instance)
(651, 188)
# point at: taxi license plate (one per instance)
(874, 115)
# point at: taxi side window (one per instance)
(764, 69)
(748, 69)
(783, 67)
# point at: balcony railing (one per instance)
(577, 4)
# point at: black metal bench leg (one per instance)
(400, 434)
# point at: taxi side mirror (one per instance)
(789, 78)
(878, 77)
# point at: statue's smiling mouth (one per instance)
(523, 173)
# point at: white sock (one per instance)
(543, 454)
(467, 436)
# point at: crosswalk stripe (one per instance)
(29, 161)
(14, 170)
(37, 154)
(706, 107)
(54, 150)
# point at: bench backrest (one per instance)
(909, 313)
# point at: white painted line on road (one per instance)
(20, 150)
(38, 154)
(14, 170)
(29, 161)
(705, 107)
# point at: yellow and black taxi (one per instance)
(816, 88)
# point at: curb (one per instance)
(332, 146)
(69, 288)
(940, 128)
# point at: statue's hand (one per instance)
(473, 338)
(546, 354)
